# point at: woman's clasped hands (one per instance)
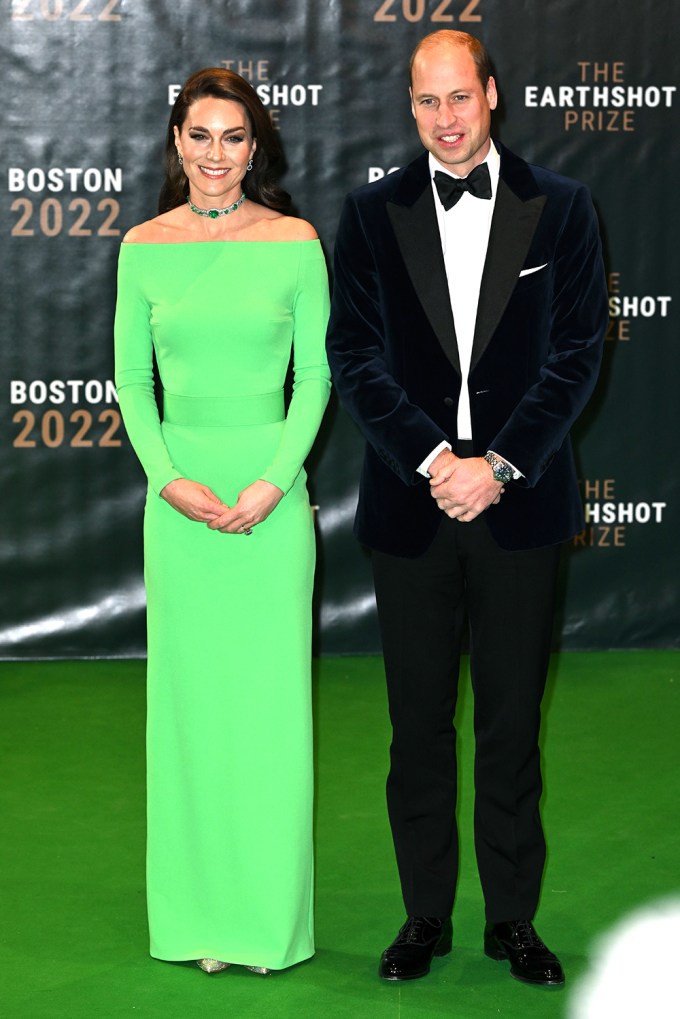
(199, 503)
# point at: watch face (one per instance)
(501, 471)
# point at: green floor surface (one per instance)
(72, 913)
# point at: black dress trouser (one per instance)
(423, 604)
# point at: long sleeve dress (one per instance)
(229, 728)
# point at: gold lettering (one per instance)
(53, 10)
(598, 490)
(611, 121)
(78, 12)
(107, 229)
(22, 440)
(592, 71)
(25, 206)
(51, 217)
(468, 15)
(78, 440)
(113, 418)
(414, 11)
(440, 13)
(382, 15)
(77, 229)
(618, 329)
(108, 15)
(601, 536)
(51, 428)
(252, 70)
(19, 12)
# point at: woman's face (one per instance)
(215, 143)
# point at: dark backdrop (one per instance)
(587, 88)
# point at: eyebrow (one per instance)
(206, 130)
(417, 96)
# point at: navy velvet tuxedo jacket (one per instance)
(392, 348)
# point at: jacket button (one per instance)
(448, 401)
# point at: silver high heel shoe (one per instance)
(212, 965)
(262, 970)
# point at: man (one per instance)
(465, 339)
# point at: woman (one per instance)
(220, 286)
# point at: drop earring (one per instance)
(179, 159)
(250, 165)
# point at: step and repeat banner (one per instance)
(587, 88)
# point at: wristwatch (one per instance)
(502, 471)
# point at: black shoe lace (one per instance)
(526, 936)
(412, 931)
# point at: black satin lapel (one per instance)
(512, 229)
(417, 234)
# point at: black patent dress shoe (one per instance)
(530, 960)
(410, 954)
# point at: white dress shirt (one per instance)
(464, 232)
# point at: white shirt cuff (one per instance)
(423, 469)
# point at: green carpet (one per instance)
(72, 913)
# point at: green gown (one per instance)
(229, 728)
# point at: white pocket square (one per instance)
(526, 272)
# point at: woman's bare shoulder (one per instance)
(290, 228)
(161, 230)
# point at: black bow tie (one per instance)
(450, 189)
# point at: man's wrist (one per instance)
(429, 460)
(502, 471)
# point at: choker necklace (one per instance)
(216, 213)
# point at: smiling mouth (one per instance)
(450, 138)
(214, 172)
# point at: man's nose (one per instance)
(446, 114)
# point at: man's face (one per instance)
(452, 110)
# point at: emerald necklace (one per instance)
(216, 213)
